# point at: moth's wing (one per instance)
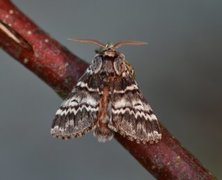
(132, 116)
(78, 113)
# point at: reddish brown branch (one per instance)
(44, 56)
(60, 69)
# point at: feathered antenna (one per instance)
(89, 41)
(131, 43)
(115, 46)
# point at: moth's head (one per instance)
(109, 49)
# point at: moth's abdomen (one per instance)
(102, 131)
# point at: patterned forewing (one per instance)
(78, 113)
(131, 114)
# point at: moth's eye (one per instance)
(96, 64)
(99, 50)
(119, 65)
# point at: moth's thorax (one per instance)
(107, 65)
(111, 66)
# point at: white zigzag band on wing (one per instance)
(136, 114)
(136, 104)
(75, 111)
(85, 85)
(128, 88)
(76, 100)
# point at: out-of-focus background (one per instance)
(180, 73)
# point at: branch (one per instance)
(60, 69)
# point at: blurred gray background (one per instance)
(180, 73)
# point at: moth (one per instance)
(107, 100)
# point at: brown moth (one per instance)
(107, 100)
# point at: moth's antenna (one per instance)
(89, 41)
(131, 43)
